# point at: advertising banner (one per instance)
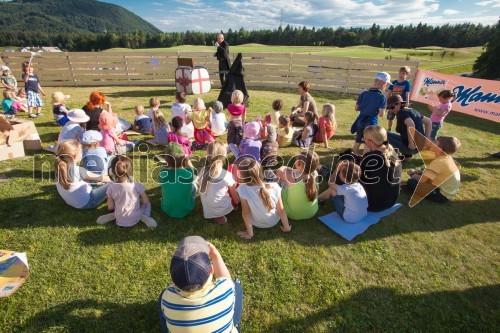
(479, 98)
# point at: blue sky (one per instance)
(216, 15)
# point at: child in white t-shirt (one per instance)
(219, 124)
(217, 186)
(261, 203)
(179, 109)
(126, 199)
(350, 200)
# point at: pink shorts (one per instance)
(203, 135)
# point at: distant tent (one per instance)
(234, 81)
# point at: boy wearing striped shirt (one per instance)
(203, 297)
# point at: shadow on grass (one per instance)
(384, 310)
(95, 316)
(143, 93)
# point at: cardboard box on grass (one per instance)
(14, 150)
(28, 128)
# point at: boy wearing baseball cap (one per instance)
(371, 104)
(203, 297)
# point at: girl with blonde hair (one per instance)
(217, 186)
(327, 125)
(261, 203)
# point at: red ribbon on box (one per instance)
(184, 81)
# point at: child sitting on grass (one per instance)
(300, 192)
(178, 136)
(261, 203)
(327, 125)
(201, 117)
(160, 128)
(285, 132)
(59, 109)
(440, 181)
(217, 190)
(350, 200)
(273, 116)
(110, 140)
(127, 200)
(250, 145)
(142, 123)
(305, 137)
(178, 182)
(94, 157)
(219, 123)
(179, 109)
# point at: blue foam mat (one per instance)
(351, 230)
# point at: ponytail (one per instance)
(216, 151)
(311, 189)
(266, 196)
(285, 120)
(64, 158)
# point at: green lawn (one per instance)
(429, 268)
(429, 57)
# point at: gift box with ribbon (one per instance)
(192, 80)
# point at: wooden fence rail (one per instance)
(280, 70)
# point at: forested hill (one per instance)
(69, 16)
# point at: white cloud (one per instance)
(209, 15)
(493, 3)
(156, 4)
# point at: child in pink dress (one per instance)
(177, 135)
(110, 140)
(440, 112)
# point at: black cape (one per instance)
(234, 81)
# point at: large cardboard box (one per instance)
(15, 150)
(192, 80)
(28, 128)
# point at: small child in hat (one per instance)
(94, 157)
(8, 80)
(178, 182)
(250, 145)
(59, 109)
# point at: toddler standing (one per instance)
(8, 80)
(237, 112)
(401, 87)
(127, 200)
(33, 88)
(440, 111)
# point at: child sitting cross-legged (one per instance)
(250, 145)
(126, 199)
(142, 123)
(219, 124)
(350, 200)
(217, 190)
(261, 203)
(201, 118)
(160, 127)
(94, 157)
(178, 182)
(177, 135)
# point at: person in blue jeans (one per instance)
(203, 296)
(73, 181)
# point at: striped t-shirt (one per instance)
(208, 310)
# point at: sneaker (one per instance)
(149, 221)
(220, 220)
(32, 115)
(103, 219)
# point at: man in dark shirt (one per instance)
(406, 118)
(222, 55)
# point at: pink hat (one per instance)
(107, 120)
(252, 130)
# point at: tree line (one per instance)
(400, 36)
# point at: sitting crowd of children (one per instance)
(265, 194)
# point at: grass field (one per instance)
(429, 268)
(454, 61)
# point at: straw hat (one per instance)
(78, 116)
(58, 97)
